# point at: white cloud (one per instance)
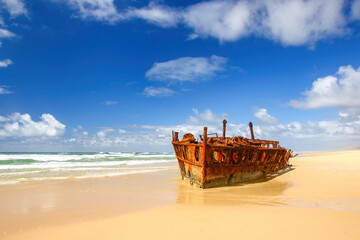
(21, 125)
(341, 132)
(158, 91)
(4, 33)
(4, 90)
(323, 135)
(160, 15)
(264, 116)
(186, 69)
(100, 10)
(299, 22)
(106, 11)
(14, 7)
(110, 103)
(205, 117)
(292, 22)
(225, 20)
(355, 10)
(5, 63)
(341, 90)
(103, 133)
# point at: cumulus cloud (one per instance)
(186, 69)
(5, 63)
(341, 132)
(158, 91)
(298, 22)
(4, 90)
(14, 7)
(21, 125)
(103, 133)
(160, 15)
(341, 90)
(355, 10)
(264, 116)
(225, 20)
(4, 33)
(310, 135)
(100, 10)
(292, 22)
(205, 117)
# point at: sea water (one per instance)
(25, 167)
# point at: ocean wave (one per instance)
(102, 156)
(22, 167)
(87, 176)
(80, 164)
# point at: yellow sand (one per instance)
(318, 199)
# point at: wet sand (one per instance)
(318, 198)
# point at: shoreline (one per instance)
(69, 201)
(321, 196)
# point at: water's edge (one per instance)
(17, 167)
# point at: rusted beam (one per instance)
(189, 162)
(251, 130)
(224, 128)
(204, 154)
(176, 137)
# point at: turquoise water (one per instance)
(36, 166)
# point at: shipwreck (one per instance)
(219, 161)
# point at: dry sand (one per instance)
(318, 199)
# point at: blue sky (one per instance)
(119, 75)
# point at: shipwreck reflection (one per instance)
(265, 191)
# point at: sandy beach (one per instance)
(318, 198)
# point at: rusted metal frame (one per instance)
(251, 130)
(181, 151)
(262, 141)
(176, 153)
(276, 157)
(230, 163)
(190, 162)
(187, 144)
(245, 146)
(267, 157)
(255, 158)
(241, 166)
(204, 155)
(224, 128)
(176, 137)
(270, 157)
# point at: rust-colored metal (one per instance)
(204, 154)
(176, 137)
(219, 161)
(251, 130)
(224, 128)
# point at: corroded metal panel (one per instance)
(219, 161)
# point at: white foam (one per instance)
(68, 157)
(47, 166)
(94, 175)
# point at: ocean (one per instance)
(39, 166)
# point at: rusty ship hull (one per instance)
(221, 161)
